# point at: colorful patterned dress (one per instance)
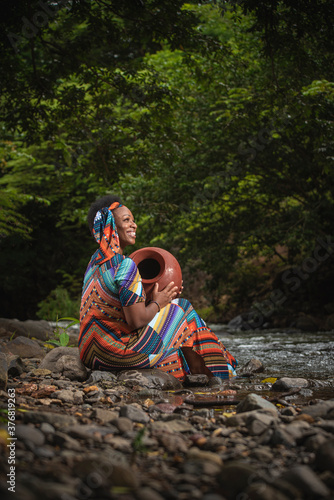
(106, 342)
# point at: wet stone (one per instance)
(24, 347)
(134, 413)
(196, 380)
(324, 459)
(29, 433)
(305, 480)
(286, 383)
(254, 402)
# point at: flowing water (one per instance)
(286, 354)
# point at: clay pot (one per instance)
(157, 265)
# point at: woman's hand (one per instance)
(139, 315)
(166, 295)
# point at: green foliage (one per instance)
(213, 121)
(61, 337)
(58, 302)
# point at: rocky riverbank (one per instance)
(134, 435)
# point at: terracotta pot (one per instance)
(157, 265)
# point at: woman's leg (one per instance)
(215, 358)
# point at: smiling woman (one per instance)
(119, 330)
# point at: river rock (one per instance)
(68, 396)
(65, 360)
(303, 478)
(235, 477)
(254, 402)
(55, 419)
(3, 371)
(263, 491)
(15, 365)
(134, 413)
(285, 384)
(257, 423)
(198, 380)
(105, 416)
(324, 409)
(252, 366)
(28, 433)
(101, 376)
(41, 330)
(24, 347)
(324, 459)
(151, 378)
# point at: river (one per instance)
(283, 353)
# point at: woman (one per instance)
(118, 330)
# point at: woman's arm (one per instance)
(140, 314)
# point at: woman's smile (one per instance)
(126, 226)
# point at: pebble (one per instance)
(130, 436)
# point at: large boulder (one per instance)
(24, 347)
(65, 360)
(41, 329)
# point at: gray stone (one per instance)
(287, 489)
(312, 443)
(203, 455)
(41, 330)
(303, 478)
(68, 396)
(215, 382)
(147, 493)
(172, 426)
(263, 491)
(235, 477)
(97, 376)
(254, 402)
(47, 428)
(118, 443)
(297, 429)
(252, 366)
(112, 469)
(257, 423)
(65, 360)
(15, 365)
(134, 413)
(87, 431)
(324, 459)
(172, 442)
(281, 437)
(55, 419)
(323, 409)
(44, 452)
(249, 416)
(64, 441)
(151, 378)
(286, 383)
(24, 347)
(124, 424)
(3, 371)
(27, 433)
(198, 380)
(105, 416)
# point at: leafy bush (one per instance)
(58, 304)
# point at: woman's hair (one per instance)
(97, 205)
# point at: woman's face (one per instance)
(126, 226)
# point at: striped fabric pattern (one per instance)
(107, 343)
